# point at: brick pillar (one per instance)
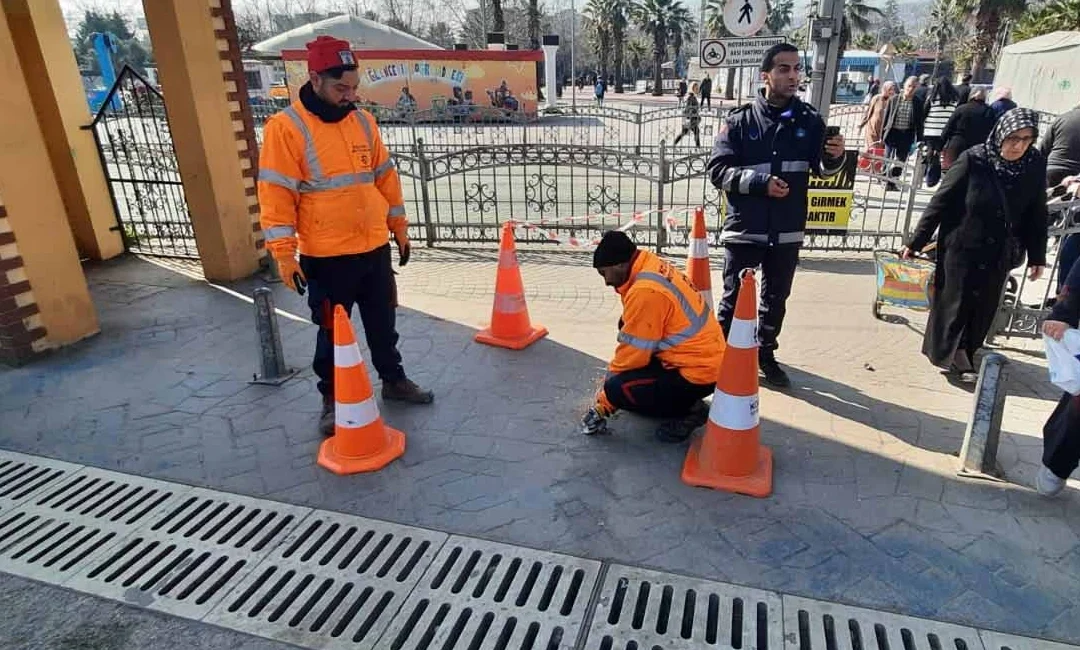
(243, 120)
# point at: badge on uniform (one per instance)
(800, 133)
(346, 57)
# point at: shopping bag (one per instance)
(1063, 358)
(870, 160)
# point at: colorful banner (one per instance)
(829, 201)
(460, 84)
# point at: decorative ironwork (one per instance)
(541, 193)
(480, 196)
(131, 130)
(602, 198)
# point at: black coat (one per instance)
(970, 124)
(974, 232)
(918, 116)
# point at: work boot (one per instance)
(406, 391)
(773, 374)
(327, 418)
(674, 431)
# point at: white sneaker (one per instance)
(1047, 483)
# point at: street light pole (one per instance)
(825, 32)
(573, 61)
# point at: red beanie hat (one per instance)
(327, 52)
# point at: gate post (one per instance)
(916, 185)
(425, 197)
(661, 233)
(640, 125)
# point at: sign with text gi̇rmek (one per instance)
(735, 52)
(828, 203)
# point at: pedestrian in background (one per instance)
(963, 90)
(904, 116)
(1002, 101)
(873, 122)
(329, 190)
(989, 212)
(682, 90)
(762, 160)
(969, 125)
(691, 117)
(1061, 148)
(706, 91)
(941, 104)
(1061, 433)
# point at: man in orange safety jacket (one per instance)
(670, 343)
(329, 191)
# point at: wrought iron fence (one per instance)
(131, 130)
(581, 171)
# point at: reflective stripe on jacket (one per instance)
(665, 316)
(325, 188)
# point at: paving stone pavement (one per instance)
(867, 509)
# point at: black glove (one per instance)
(404, 250)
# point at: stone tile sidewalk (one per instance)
(867, 509)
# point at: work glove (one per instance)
(594, 422)
(404, 248)
(291, 275)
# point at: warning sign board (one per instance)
(828, 203)
(735, 52)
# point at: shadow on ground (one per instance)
(162, 392)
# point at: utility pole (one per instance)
(573, 46)
(825, 33)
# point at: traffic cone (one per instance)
(697, 260)
(729, 456)
(361, 441)
(510, 326)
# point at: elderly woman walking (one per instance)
(873, 122)
(989, 212)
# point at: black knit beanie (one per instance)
(615, 248)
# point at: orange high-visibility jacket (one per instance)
(330, 188)
(664, 316)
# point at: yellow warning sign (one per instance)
(828, 209)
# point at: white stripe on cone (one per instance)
(743, 334)
(699, 248)
(734, 413)
(347, 356)
(354, 416)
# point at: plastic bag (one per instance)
(1064, 361)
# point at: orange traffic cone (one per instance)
(729, 456)
(361, 441)
(697, 260)
(510, 326)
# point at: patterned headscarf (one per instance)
(1009, 123)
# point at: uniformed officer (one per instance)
(762, 159)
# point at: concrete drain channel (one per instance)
(319, 579)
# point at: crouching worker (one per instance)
(670, 343)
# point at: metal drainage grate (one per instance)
(64, 523)
(817, 625)
(640, 609)
(999, 641)
(335, 582)
(21, 476)
(192, 555)
(486, 596)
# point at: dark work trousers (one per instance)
(654, 391)
(777, 271)
(363, 279)
(1061, 437)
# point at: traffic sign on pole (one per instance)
(735, 52)
(745, 17)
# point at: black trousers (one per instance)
(363, 279)
(1061, 437)
(696, 130)
(654, 391)
(777, 272)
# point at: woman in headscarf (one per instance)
(873, 120)
(990, 212)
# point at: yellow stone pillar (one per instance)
(185, 34)
(56, 90)
(44, 300)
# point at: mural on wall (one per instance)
(458, 84)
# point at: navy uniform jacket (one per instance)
(757, 141)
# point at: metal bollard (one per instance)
(978, 456)
(271, 358)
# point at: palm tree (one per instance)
(598, 26)
(779, 17)
(619, 19)
(859, 17)
(946, 25)
(667, 22)
(989, 15)
(714, 26)
(637, 53)
(1056, 15)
